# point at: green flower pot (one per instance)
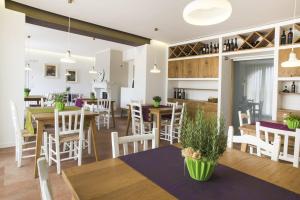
(293, 123)
(156, 104)
(60, 106)
(26, 94)
(200, 170)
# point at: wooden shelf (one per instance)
(285, 93)
(193, 79)
(194, 57)
(200, 89)
(254, 40)
(289, 46)
(288, 78)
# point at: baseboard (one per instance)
(7, 145)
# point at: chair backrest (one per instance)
(46, 192)
(135, 139)
(243, 116)
(271, 149)
(177, 116)
(15, 119)
(171, 104)
(103, 105)
(137, 118)
(71, 123)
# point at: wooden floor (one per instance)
(18, 183)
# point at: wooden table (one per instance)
(43, 119)
(36, 98)
(112, 110)
(114, 179)
(157, 112)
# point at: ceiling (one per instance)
(56, 41)
(142, 16)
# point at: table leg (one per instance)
(39, 136)
(113, 115)
(244, 147)
(94, 131)
(158, 124)
(128, 120)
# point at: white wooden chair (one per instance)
(138, 124)
(21, 137)
(272, 149)
(242, 118)
(71, 133)
(46, 192)
(173, 128)
(135, 139)
(288, 136)
(103, 108)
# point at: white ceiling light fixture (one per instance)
(207, 12)
(27, 65)
(68, 58)
(293, 60)
(155, 69)
(67, 73)
(93, 71)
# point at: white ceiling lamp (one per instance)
(27, 65)
(93, 71)
(293, 60)
(155, 69)
(68, 58)
(67, 73)
(207, 12)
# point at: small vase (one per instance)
(26, 94)
(200, 170)
(293, 124)
(60, 106)
(156, 104)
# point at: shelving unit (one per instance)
(285, 93)
(199, 89)
(296, 32)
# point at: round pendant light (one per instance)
(207, 12)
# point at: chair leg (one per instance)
(71, 147)
(251, 150)
(89, 141)
(50, 151)
(57, 153)
(108, 117)
(20, 151)
(45, 140)
(171, 135)
(79, 152)
(99, 122)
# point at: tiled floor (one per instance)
(18, 183)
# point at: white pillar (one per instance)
(2, 3)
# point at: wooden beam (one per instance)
(51, 20)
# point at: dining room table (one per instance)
(44, 117)
(91, 101)
(161, 174)
(151, 112)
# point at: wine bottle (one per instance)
(290, 36)
(217, 48)
(203, 49)
(228, 46)
(175, 93)
(232, 45)
(235, 45)
(211, 48)
(183, 94)
(293, 89)
(179, 94)
(207, 49)
(283, 38)
(224, 46)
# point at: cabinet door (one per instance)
(190, 68)
(214, 66)
(172, 69)
(203, 68)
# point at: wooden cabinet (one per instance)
(194, 68)
(193, 106)
(288, 72)
(175, 69)
(190, 68)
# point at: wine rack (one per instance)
(190, 49)
(254, 40)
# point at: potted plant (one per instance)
(59, 101)
(293, 121)
(203, 141)
(92, 95)
(26, 92)
(156, 101)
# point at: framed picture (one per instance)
(50, 71)
(71, 76)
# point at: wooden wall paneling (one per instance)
(215, 67)
(172, 69)
(190, 68)
(284, 56)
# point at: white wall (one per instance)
(42, 85)
(12, 40)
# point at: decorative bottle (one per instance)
(293, 89)
(283, 38)
(290, 36)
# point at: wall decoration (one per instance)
(72, 76)
(50, 71)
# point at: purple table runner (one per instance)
(275, 125)
(164, 166)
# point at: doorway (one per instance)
(253, 88)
